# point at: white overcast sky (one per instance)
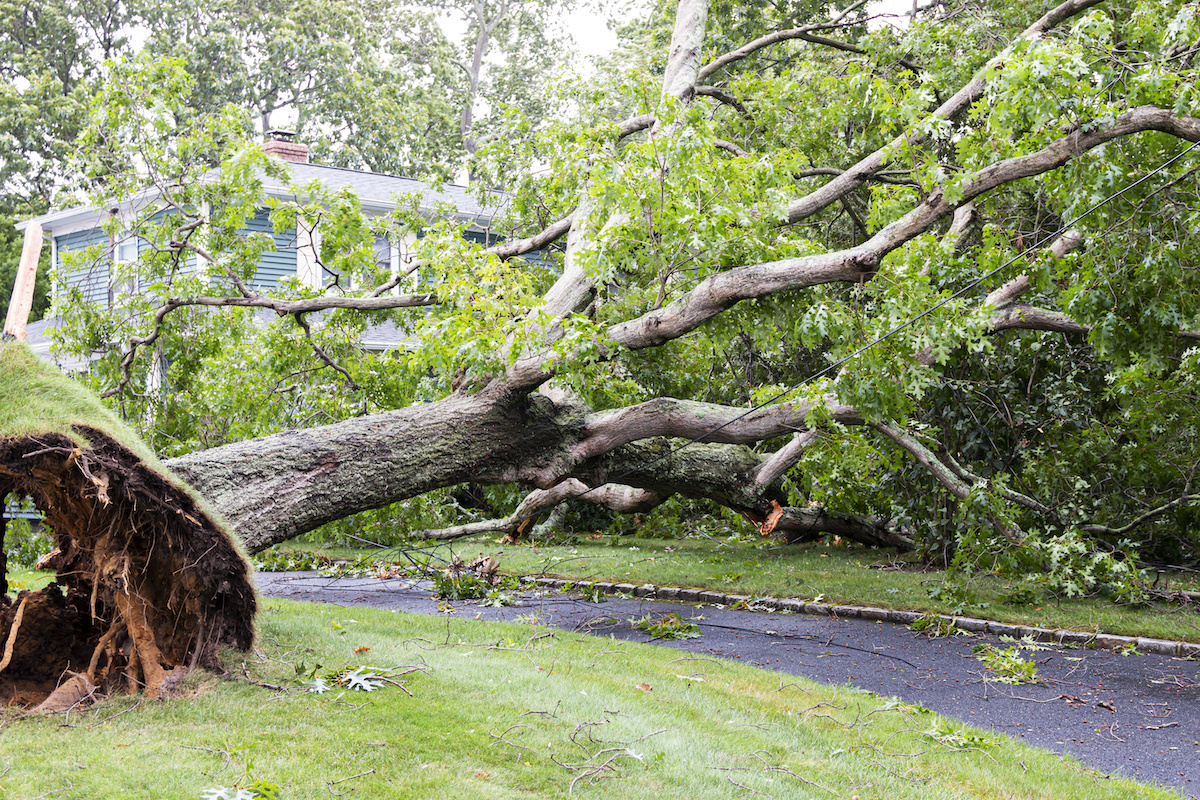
(589, 27)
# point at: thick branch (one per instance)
(539, 241)
(964, 217)
(622, 499)
(635, 124)
(805, 33)
(861, 172)
(800, 524)
(309, 305)
(1031, 318)
(724, 97)
(665, 416)
(720, 472)
(717, 472)
(718, 292)
(1052, 156)
(1010, 291)
(942, 473)
(1011, 495)
(1149, 515)
(783, 459)
(730, 147)
(896, 178)
(687, 40)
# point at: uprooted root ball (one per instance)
(147, 583)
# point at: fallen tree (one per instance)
(755, 216)
(148, 584)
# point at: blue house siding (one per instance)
(94, 277)
(14, 510)
(91, 277)
(275, 264)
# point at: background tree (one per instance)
(944, 219)
(50, 55)
(371, 84)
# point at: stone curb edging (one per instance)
(1054, 635)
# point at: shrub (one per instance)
(25, 543)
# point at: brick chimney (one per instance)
(283, 144)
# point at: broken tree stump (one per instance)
(148, 583)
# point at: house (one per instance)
(295, 252)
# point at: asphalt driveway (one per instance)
(1138, 715)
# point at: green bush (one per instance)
(392, 525)
(25, 543)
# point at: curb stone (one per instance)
(1104, 641)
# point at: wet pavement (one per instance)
(1138, 715)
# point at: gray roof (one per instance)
(386, 336)
(378, 192)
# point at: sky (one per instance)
(590, 29)
(588, 25)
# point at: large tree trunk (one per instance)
(277, 487)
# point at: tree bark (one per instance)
(277, 487)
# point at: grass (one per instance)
(32, 580)
(506, 711)
(847, 575)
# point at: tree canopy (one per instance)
(929, 286)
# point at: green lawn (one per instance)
(517, 710)
(848, 575)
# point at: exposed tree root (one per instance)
(147, 583)
(13, 629)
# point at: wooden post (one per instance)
(22, 296)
